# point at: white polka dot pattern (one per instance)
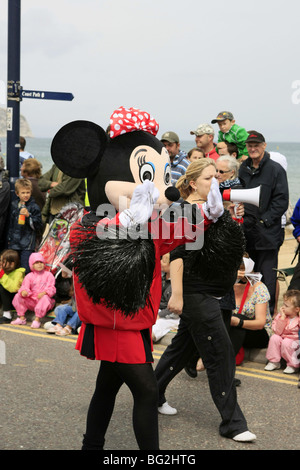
(125, 120)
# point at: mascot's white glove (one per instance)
(141, 206)
(213, 208)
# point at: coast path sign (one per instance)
(46, 95)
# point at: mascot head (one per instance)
(115, 164)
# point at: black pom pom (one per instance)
(172, 193)
(222, 252)
(116, 271)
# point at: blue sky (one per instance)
(183, 62)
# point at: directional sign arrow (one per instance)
(46, 95)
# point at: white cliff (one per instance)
(25, 130)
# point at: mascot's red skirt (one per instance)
(131, 347)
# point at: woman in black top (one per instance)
(199, 279)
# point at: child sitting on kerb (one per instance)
(284, 342)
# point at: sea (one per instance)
(40, 148)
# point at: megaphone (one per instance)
(250, 196)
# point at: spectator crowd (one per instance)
(240, 159)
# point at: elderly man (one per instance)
(262, 224)
(204, 138)
(178, 158)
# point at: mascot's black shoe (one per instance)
(191, 371)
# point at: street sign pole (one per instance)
(13, 85)
(15, 92)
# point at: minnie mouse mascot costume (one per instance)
(116, 251)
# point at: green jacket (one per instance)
(236, 135)
(68, 190)
(12, 281)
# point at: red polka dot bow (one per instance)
(125, 120)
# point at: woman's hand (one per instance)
(237, 210)
(234, 321)
(175, 304)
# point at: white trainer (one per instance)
(48, 325)
(246, 436)
(273, 366)
(290, 370)
(166, 409)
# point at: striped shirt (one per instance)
(179, 166)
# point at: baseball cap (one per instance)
(222, 116)
(255, 137)
(203, 129)
(171, 137)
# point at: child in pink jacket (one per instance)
(35, 293)
(285, 342)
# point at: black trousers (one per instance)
(141, 381)
(248, 338)
(265, 261)
(201, 324)
(295, 281)
(6, 299)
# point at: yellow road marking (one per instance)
(274, 376)
(277, 373)
(23, 329)
(267, 375)
(272, 379)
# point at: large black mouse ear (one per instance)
(77, 148)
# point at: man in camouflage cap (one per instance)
(204, 138)
(178, 158)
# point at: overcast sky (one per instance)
(182, 61)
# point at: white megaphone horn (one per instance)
(250, 196)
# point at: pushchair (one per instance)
(55, 246)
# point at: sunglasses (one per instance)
(222, 171)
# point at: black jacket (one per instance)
(262, 225)
(23, 237)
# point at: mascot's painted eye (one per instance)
(167, 174)
(147, 170)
